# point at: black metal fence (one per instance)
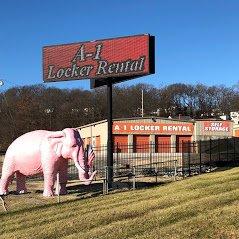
(184, 159)
(141, 157)
(204, 156)
(190, 157)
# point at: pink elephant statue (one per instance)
(45, 152)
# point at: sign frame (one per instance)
(94, 83)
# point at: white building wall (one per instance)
(93, 130)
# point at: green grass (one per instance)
(205, 206)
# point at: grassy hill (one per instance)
(205, 206)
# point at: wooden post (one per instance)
(3, 203)
(58, 187)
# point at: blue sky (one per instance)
(196, 41)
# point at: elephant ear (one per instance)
(71, 136)
(55, 140)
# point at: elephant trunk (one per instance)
(81, 163)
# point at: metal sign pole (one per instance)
(110, 138)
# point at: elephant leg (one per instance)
(49, 179)
(21, 183)
(6, 179)
(63, 167)
(49, 173)
(7, 175)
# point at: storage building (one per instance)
(155, 134)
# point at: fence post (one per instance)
(183, 159)
(200, 157)
(189, 159)
(162, 166)
(210, 154)
(105, 181)
(227, 150)
(134, 178)
(156, 173)
(234, 151)
(150, 155)
(175, 170)
(117, 157)
(219, 151)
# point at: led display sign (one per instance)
(123, 57)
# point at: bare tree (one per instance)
(29, 108)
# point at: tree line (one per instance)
(35, 107)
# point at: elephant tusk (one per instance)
(81, 169)
(88, 181)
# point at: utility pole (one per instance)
(142, 103)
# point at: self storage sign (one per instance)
(110, 58)
(216, 126)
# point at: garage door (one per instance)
(162, 143)
(141, 143)
(97, 141)
(236, 133)
(182, 145)
(120, 143)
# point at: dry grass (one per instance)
(205, 206)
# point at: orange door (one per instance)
(236, 133)
(120, 143)
(141, 143)
(162, 143)
(182, 143)
(97, 141)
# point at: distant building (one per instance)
(224, 117)
(235, 117)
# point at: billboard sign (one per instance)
(123, 57)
